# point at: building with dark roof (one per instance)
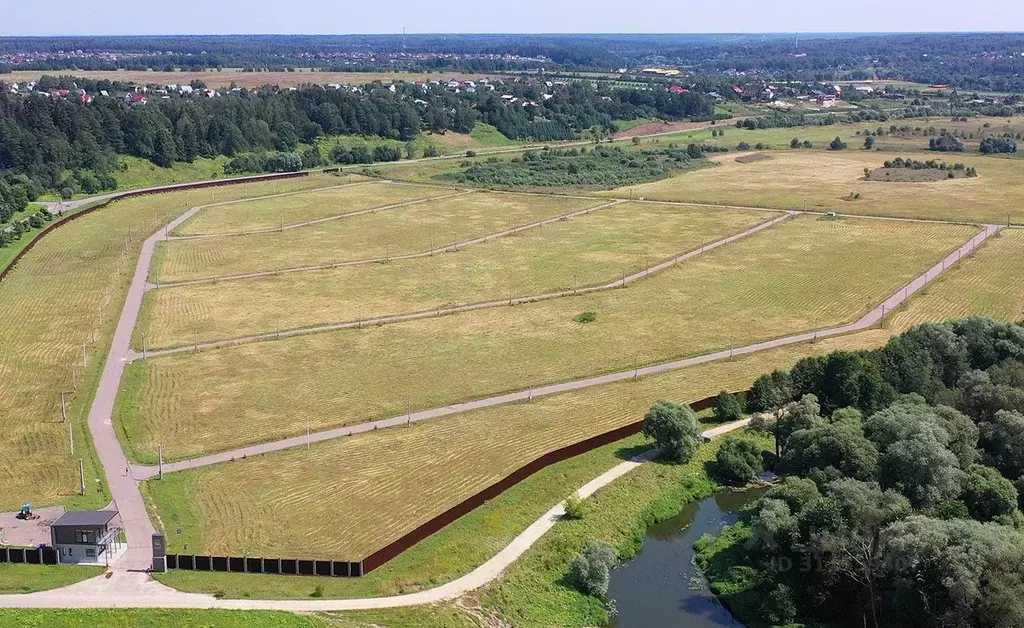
(88, 536)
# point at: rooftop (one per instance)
(85, 518)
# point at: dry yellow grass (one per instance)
(65, 291)
(344, 499)
(819, 181)
(587, 250)
(806, 273)
(393, 232)
(988, 283)
(270, 213)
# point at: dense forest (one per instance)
(902, 491)
(63, 144)
(604, 167)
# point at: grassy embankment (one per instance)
(30, 578)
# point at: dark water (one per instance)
(662, 586)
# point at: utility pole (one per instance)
(307, 433)
(63, 409)
(74, 376)
(71, 437)
(83, 355)
(408, 410)
(143, 346)
(81, 475)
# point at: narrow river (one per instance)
(662, 586)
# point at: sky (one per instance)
(149, 17)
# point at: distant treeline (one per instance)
(986, 61)
(61, 143)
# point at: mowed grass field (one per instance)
(348, 193)
(988, 283)
(419, 227)
(346, 498)
(66, 292)
(806, 273)
(816, 180)
(591, 249)
(478, 536)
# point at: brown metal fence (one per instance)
(473, 502)
(310, 567)
(133, 193)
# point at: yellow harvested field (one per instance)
(819, 181)
(591, 249)
(349, 497)
(344, 197)
(410, 229)
(66, 291)
(806, 273)
(988, 283)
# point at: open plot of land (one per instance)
(67, 291)
(988, 283)
(477, 537)
(409, 229)
(271, 213)
(346, 498)
(806, 273)
(592, 249)
(819, 181)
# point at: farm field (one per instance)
(351, 193)
(351, 496)
(410, 229)
(819, 181)
(988, 283)
(66, 292)
(217, 80)
(586, 250)
(806, 273)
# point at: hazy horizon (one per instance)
(455, 17)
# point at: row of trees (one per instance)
(45, 138)
(903, 486)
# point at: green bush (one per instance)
(586, 317)
(575, 507)
(591, 570)
(738, 461)
(728, 407)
